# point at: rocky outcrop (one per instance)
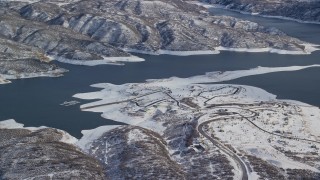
(40, 154)
(125, 151)
(295, 9)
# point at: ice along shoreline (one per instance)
(207, 6)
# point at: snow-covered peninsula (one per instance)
(253, 129)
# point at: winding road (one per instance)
(227, 151)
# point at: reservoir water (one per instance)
(36, 102)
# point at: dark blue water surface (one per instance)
(35, 102)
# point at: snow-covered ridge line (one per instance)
(206, 5)
(12, 124)
(59, 2)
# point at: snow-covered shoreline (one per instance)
(104, 61)
(4, 81)
(12, 124)
(113, 92)
(4, 78)
(309, 48)
(53, 73)
(218, 76)
(90, 135)
(174, 53)
(206, 5)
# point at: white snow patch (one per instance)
(90, 135)
(273, 157)
(67, 138)
(253, 176)
(153, 125)
(12, 124)
(4, 81)
(311, 116)
(136, 135)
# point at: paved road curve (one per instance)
(224, 149)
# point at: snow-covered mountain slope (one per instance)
(105, 32)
